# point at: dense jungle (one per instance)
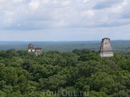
(76, 73)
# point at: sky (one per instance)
(64, 20)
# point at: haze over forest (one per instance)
(117, 45)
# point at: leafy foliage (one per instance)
(64, 74)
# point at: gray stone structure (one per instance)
(36, 51)
(106, 48)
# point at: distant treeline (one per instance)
(118, 46)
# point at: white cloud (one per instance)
(55, 1)
(69, 15)
(118, 8)
(87, 14)
(45, 1)
(34, 4)
(86, 0)
(65, 3)
(3, 1)
(17, 1)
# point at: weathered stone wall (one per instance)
(31, 48)
(36, 51)
(105, 48)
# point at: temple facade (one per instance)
(32, 49)
(106, 48)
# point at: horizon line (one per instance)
(59, 40)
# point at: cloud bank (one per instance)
(64, 20)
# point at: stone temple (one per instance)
(36, 51)
(106, 48)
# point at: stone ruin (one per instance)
(105, 48)
(36, 51)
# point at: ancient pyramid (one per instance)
(105, 48)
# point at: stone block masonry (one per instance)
(106, 48)
(36, 51)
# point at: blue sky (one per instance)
(64, 20)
